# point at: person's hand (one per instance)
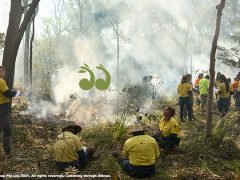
(17, 93)
(159, 133)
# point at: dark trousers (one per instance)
(237, 100)
(223, 106)
(167, 142)
(5, 127)
(137, 171)
(79, 163)
(185, 102)
(204, 99)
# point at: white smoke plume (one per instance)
(158, 38)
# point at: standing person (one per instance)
(196, 89)
(217, 83)
(168, 135)
(189, 79)
(141, 152)
(224, 94)
(203, 88)
(184, 92)
(5, 110)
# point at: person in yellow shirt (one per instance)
(69, 150)
(224, 94)
(168, 135)
(184, 92)
(216, 84)
(5, 110)
(141, 152)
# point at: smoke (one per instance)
(158, 38)
(43, 109)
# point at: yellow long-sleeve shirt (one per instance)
(141, 150)
(3, 89)
(184, 89)
(66, 147)
(169, 127)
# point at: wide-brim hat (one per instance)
(71, 124)
(137, 127)
(68, 123)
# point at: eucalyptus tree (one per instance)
(219, 8)
(16, 28)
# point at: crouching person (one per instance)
(141, 152)
(168, 135)
(68, 149)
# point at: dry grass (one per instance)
(196, 157)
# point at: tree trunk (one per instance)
(212, 69)
(185, 61)
(26, 56)
(81, 5)
(14, 35)
(118, 53)
(26, 50)
(118, 56)
(31, 48)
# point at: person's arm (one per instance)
(78, 145)
(190, 89)
(178, 88)
(9, 93)
(231, 89)
(220, 89)
(5, 90)
(159, 132)
(207, 84)
(81, 155)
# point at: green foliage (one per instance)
(230, 57)
(120, 131)
(101, 134)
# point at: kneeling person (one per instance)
(68, 149)
(141, 152)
